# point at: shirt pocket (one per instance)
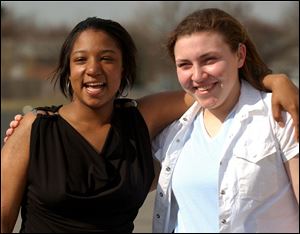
(256, 170)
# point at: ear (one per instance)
(241, 54)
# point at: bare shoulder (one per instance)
(21, 134)
(28, 119)
(26, 123)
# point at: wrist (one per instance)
(271, 81)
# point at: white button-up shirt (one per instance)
(255, 194)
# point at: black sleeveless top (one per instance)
(72, 188)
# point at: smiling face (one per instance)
(208, 69)
(95, 68)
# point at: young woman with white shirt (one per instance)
(227, 166)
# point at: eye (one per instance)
(210, 60)
(107, 58)
(79, 59)
(183, 65)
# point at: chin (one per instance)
(208, 104)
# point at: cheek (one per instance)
(183, 77)
(115, 78)
(117, 74)
(216, 70)
(76, 71)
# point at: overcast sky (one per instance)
(70, 12)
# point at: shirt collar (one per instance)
(250, 102)
(190, 114)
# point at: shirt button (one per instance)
(177, 140)
(157, 216)
(185, 119)
(168, 169)
(221, 163)
(222, 192)
(223, 221)
(161, 194)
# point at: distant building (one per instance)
(29, 55)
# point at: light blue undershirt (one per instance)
(195, 179)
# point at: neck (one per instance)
(214, 118)
(222, 111)
(83, 114)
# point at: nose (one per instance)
(199, 74)
(94, 68)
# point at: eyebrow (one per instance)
(101, 51)
(201, 57)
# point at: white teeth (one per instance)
(204, 88)
(94, 84)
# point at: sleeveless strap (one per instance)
(125, 102)
(46, 110)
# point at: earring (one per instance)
(126, 88)
(68, 87)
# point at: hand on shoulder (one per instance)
(19, 122)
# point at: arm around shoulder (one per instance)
(285, 97)
(14, 165)
(161, 109)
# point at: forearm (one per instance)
(13, 181)
(7, 224)
(271, 81)
(159, 110)
(285, 97)
(14, 167)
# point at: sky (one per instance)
(71, 12)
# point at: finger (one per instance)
(18, 117)
(276, 111)
(14, 124)
(295, 117)
(9, 132)
(5, 139)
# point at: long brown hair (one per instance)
(216, 20)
